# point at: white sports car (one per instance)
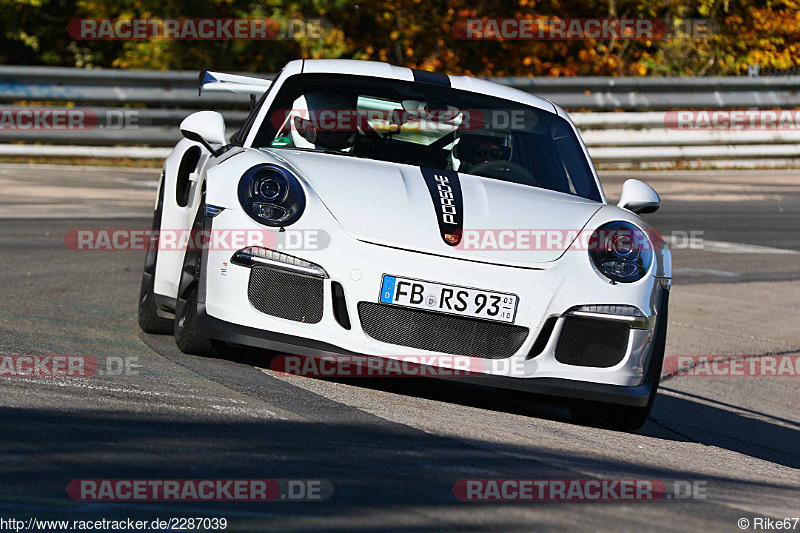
(449, 215)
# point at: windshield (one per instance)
(429, 126)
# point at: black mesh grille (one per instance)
(286, 295)
(440, 333)
(592, 342)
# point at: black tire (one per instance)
(185, 327)
(149, 319)
(186, 336)
(624, 417)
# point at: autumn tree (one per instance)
(415, 33)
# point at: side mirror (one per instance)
(207, 128)
(639, 197)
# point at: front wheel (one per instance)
(187, 338)
(186, 329)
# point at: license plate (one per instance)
(451, 299)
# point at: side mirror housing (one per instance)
(207, 128)
(639, 197)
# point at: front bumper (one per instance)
(634, 396)
(546, 294)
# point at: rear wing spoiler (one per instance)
(218, 82)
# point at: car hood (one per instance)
(390, 204)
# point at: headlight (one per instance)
(621, 251)
(271, 195)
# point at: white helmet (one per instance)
(296, 120)
(305, 127)
(472, 148)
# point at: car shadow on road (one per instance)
(673, 418)
(715, 423)
(681, 418)
(443, 390)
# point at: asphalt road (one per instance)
(392, 449)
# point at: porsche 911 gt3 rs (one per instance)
(451, 215)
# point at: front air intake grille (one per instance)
(339, 305)
(544, 337)
(437, 332)
(286, 294)
(592, 342)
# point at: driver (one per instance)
(473, 148)
(338, 132)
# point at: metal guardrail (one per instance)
(639, 94)
(159, 89)
(179, 88)
(161, 100)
